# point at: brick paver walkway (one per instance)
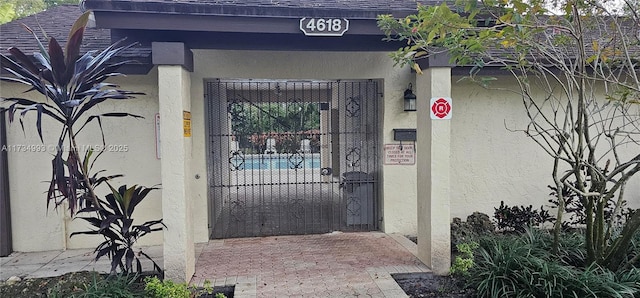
(328, 265)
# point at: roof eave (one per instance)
(239, 10)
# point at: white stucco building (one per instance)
(213, 59)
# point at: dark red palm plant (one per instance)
(72, 84)
(114, 222)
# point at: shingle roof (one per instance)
(333, 4)
(56, 22)
(295, 8)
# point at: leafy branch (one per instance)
(576, 72)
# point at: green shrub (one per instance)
(633, 255)
(523, 266)
(156, 288)
(519, 218)
(94, 285)
(571, 249)
(464, 260)
(597, 281)
(505, 265)
(166, 288)
(477, 224)
(115, 286)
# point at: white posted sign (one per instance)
(399, 154)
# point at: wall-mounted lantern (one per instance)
(409, 100)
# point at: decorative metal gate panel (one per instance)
(292, 157)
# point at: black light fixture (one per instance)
(409, 100)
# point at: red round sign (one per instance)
(441, 108)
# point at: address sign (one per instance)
(324, 26)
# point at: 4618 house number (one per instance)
(324, 26)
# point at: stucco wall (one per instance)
(141, 167)
(489, 162)
(35, 228)
(492, 158)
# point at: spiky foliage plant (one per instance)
(72, 84)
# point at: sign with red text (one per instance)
(399, 154)
(441, 108)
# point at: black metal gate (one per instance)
(292, 157)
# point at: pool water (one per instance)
(275, 162)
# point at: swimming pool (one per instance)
(275, 161)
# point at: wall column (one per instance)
(6, 244)
(174, 95)
(434, 164)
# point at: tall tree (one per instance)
(284, 120)
(52, 3)
(577, 73)
(15, 9)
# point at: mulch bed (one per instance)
(426, 284)
(71, 284)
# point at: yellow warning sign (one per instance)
(186, 123)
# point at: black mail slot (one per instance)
(404, 134)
